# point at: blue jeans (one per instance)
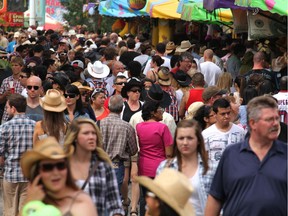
(119, 169)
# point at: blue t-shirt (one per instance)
(248, 186)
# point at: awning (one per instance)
(211, 5)
(164, 9)
(274, 6)
(196, 12)
(120, 9)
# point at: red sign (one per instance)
(3, 6)
(14, 19)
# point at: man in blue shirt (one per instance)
(251, 178)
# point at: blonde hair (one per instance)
(73, 132)
(225, 81)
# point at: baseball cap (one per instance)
(77, 63)
(212, 91)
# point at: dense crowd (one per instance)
(83, 115)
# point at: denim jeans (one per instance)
(119, 169)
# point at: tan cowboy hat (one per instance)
(53, 101)
(81, 87)
(98, 70)
(170, 47)
(164, 76)
(47, 148)
(184, 46)
(173, 188)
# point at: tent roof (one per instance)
(165, 9)
(120, 9)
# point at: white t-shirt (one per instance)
(195, 199)
(148, 66)
(216, 141)
(211, 72)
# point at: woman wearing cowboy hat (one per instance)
(47, 168)
(53, 123)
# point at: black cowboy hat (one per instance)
(156, 94)
(182, 78)
(128, 86)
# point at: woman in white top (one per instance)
(192, 160)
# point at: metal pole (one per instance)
(32, 20)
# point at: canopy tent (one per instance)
(211, 5)
(164, 9)
(50, 23)
(274, 6)
(120, 9)
(194, 11)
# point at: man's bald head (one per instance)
(208, 54)
(34, 79)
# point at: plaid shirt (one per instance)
(205, 181)
(98, 83)
(103, 189)
(119, 137)
(16, 137)
(4, 87)
(173, 107)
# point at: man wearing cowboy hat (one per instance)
(16, 137)
(98, 73)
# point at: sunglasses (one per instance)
(70, 95)
(135, 90)
(120, 83)
(30, 87)
(50, 166)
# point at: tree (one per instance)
(75, 15)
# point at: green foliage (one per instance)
(75, 15)
(107, 23)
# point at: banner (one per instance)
(55, 9)
(267, 25)
(14, 19)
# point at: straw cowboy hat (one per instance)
(53, 101)
(173, 188)
(98, 70)
(155, 93)
(164, 76)
(80, 86)
(193, 108)
(170, 47)
(184, 46)
(47, 148)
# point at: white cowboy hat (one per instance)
(98, 70)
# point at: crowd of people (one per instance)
(196, 130)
